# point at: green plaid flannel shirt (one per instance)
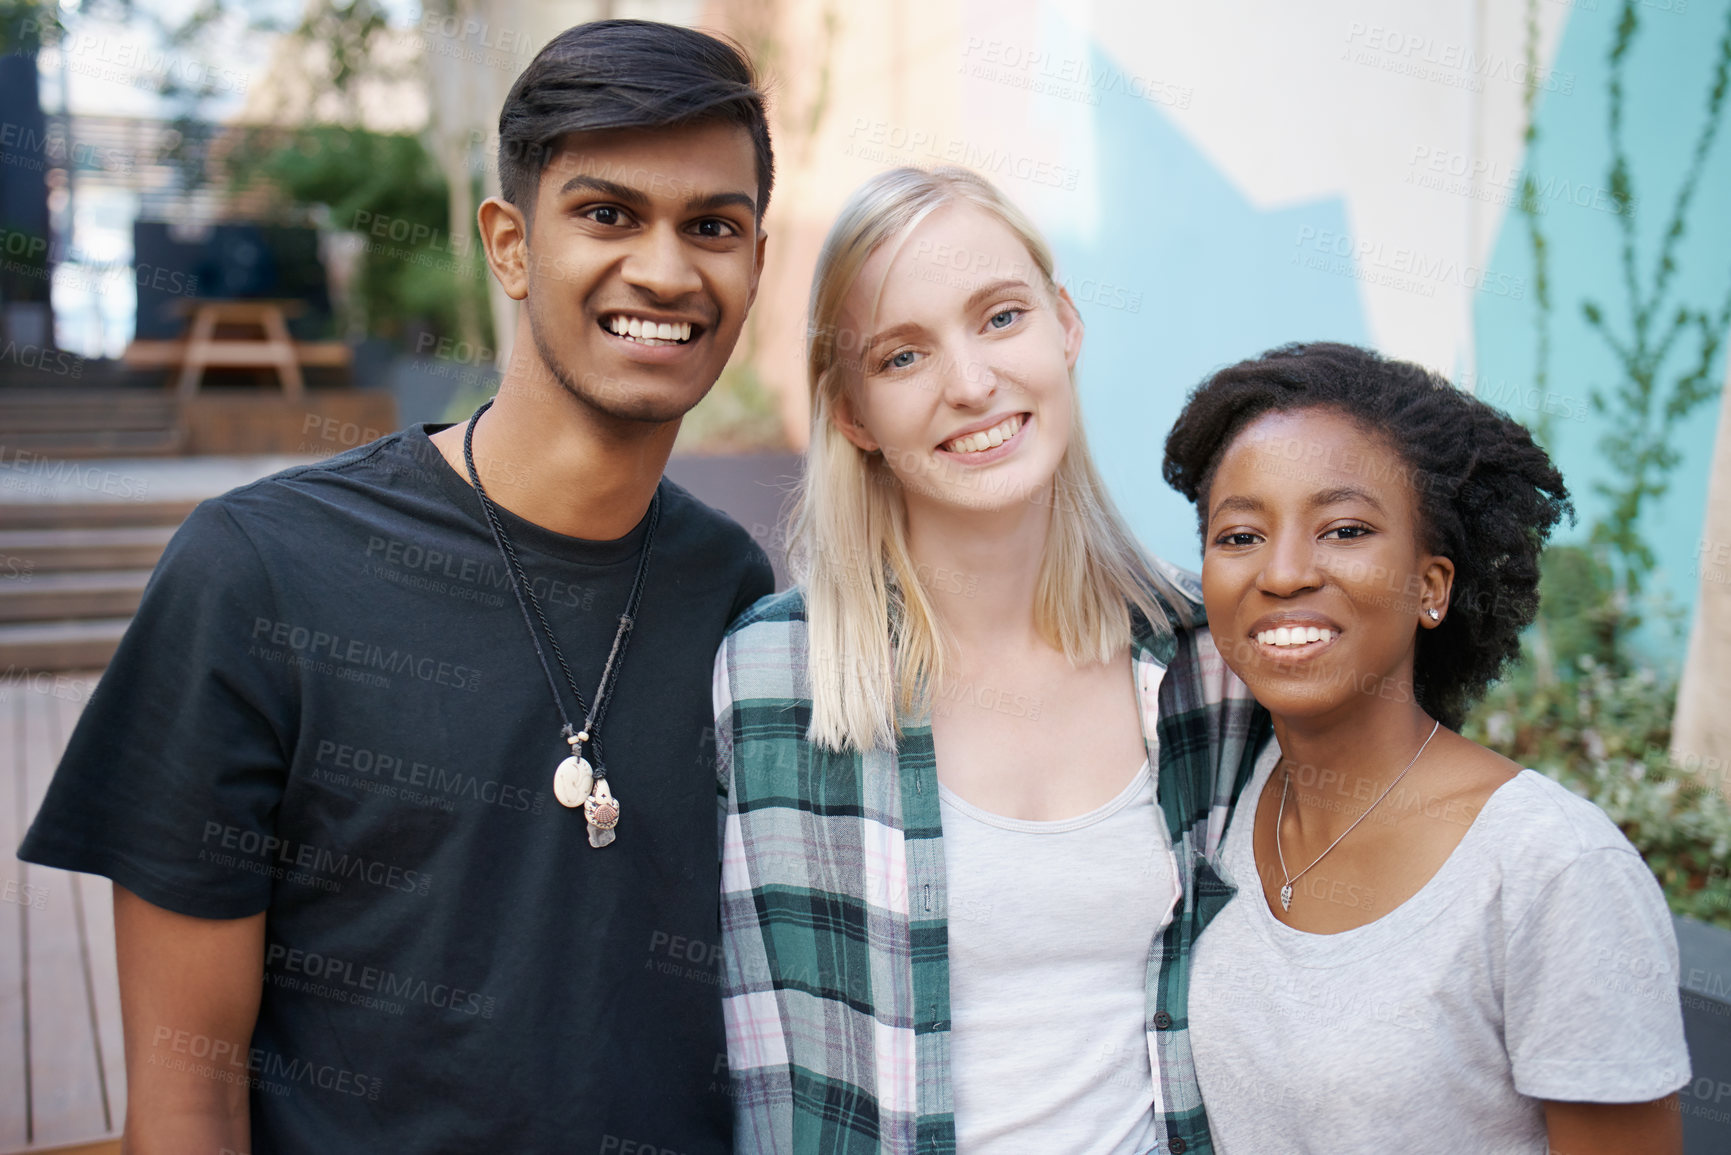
(836, 974)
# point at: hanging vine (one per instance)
(1645, 408)
(1531, 208)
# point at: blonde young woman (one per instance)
(974, 764)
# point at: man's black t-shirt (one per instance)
(328, 708)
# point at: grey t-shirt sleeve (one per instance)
(1591, 1004)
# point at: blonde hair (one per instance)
(876, 646)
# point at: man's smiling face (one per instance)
(643, 258)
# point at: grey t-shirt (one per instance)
(1538, 963)
(1050, 928)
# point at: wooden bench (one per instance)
(202, 349)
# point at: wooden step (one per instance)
(91, 514)
(75, 392)
(83, 418)
(35, 551)
(46, 597)
(49, 646)
(155, 442)
(39, 411)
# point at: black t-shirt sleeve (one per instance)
(758, 582)
(172, 778)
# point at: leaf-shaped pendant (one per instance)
(1286, 897)
(572, 782)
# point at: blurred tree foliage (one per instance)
(27, 25)
(411, 273)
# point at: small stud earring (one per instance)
(1434, 616)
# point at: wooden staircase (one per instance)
(79, 536)
(71, 576)
(84, 423)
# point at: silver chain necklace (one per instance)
(1286, 784)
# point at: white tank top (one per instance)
(1050, 928)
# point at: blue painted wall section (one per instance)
(1198, 279)
(1666, 78)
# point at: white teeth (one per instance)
(649, 332)
(1294, 635)
(986, 439)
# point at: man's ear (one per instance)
(756, 268)
(843, 417)
(505, 237)
(1070, 320)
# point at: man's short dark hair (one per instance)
(626, 74)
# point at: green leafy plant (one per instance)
(1597, 718)
(413, 275)
(27, 25)
(1606, 736)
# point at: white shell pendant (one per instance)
(573, 781)
(602, 811)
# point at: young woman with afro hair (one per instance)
(1431, 949)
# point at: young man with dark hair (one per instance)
(401, 771)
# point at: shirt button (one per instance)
(1178, 1146)
(1163, 1022)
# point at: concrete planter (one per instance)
(1705, 983)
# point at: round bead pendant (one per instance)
(572, 782)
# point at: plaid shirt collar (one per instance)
(834, 926)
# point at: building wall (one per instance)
(1221, 178)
